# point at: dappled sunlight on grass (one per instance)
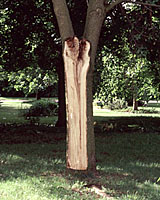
(36, 172)
(128, 167)
(32, 159)
(127, 161)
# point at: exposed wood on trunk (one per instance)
(77, 61)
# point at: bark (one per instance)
(38, 95)
(61, 96)
(94, 20)
(66, 31)
(63, 19)
(135, 103)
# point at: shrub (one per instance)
(117, 104)
(100, 103)
(41, 108)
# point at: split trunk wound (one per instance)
(76, 60)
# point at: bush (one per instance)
(41, 108)
(117, 104)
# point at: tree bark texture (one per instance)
(77, 63)
(63, 19)
(94, 20)
(61, 95)
(135, 103)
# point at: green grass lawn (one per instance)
(128, 167)
(32, 162)
(15, 107)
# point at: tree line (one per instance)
(31, 47)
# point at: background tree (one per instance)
(131, 26)
(33, 82)
(125, 78)
(28, 39)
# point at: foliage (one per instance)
(32, 80)
(41, 108)
(29, 39)
(28, 46)
(113, 104)
(128, 61)
(38, 42)
(125, 77)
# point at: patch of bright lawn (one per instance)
(11, 111)
(118, 113)
(128, 167)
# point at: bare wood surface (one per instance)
(77, 61)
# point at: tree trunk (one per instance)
(77, 62)
(38, 96)
(61, 96)
(95, 16)
(135, 103)
(79, 75)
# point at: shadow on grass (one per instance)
(128, 164)
(153, 104)
(128, 124)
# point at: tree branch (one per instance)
(87, 1)
(112, 5)
(63, 19)
(141, 3)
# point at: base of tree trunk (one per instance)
(61, 124)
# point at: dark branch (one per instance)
(141, 3)
(112, 5)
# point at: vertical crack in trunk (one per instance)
(76, 61)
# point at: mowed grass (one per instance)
(128, 167)
(11, 111)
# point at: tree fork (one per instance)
(77, 63)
